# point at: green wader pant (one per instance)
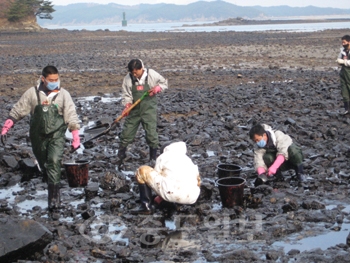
(47, 135)
(295, 158)
(146, 114)
(345, 83)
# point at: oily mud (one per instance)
(220, 84)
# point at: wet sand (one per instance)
(95, 62)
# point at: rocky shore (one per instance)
(241, 21)
(220, 84)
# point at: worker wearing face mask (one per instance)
(344, 61)
(52, 111)
(276, 152)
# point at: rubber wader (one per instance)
(345, 87)
(144, 113)
(47, 129)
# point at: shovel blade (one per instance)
(96, 129)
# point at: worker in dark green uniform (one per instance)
(344, 61)
(135, 84)
(52, 110)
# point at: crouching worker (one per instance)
(175, 178)
(52, 110)
(276, 152)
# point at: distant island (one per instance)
(241, 21)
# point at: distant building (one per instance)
(124, 22)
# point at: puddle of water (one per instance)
(76, 203)
(7, 193)
(210, 153)
(128, 174)
(29, 204)
(104, 229)
(346, 209)
(179, 240)
(217, 207)
(330, 207)
(323, 241)
(39, 199)
(170, 224)
(106, 99)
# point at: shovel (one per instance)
(106, 127)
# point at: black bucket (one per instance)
(231, 191)
(77, 173)
(227, 170)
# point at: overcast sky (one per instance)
(294, 3)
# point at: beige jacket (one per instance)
(154, 79)
(281, 141)
(64, 101)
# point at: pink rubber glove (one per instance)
(260, 170)
(76, 139)
(7, 125)
(125, 113)
(155, 90)
(278, 162)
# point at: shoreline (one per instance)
(245, 22)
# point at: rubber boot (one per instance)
(145, 198)
(54, 197)
(346, 107)
(121, 156)
(44, 177)
(300, 173)
(152, 156)
(153, 153)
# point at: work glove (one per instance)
(155, 90)
(127, 106)
(7, 126)
(261, 170)
(340, 61)
(274, 167)
(76, 139)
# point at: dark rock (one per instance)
(91, 191)
(272, 255)
(87, 214)
(10, 161)
(21, 238)
(293, 252)
(289, 121)
(312, 204)
(114, 181)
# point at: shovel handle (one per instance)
(72, 150)
(131, 107)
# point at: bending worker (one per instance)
(135, 84)
(174, 178)
(276, 152)
(52, 110)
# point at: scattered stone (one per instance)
(17, 235)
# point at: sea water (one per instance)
(178, 27)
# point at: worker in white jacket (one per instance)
(175, 178)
